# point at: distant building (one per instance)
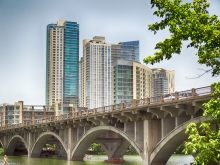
(62, 64)
(95, 69)
(125, 51)
(130, 80)
(163, 81)
(18, 113)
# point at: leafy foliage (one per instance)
(187, 21)
(2, 151)
(207, 141)
(192, 22)
(96, 148)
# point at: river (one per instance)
(96, 160)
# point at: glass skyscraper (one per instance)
(96, 69)
(95, 75)
(62, 64)
(125, 51)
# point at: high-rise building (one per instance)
(95, 69)
(125, 51)
(95, 74)
(163, 81)
(130, 80)
(62, 64)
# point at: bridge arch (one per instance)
(41, 141)
(167, 146)
(12, 144)
(89, 137)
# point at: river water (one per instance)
(96, 160)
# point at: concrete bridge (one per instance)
(155, 127)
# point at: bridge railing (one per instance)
(99, 110)
(108, 108)
(133, 103)
(185, 94)
(203, 91)
(141, 102)
(117, 106)
(128, 104)
(154, 100)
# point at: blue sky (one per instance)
(23, 40)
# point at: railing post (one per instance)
(122, 105)
(103, 109)
(148, 100)
(134, 104)
(161, 98)
(212, 90)
(112, 108)
(95, 111)
(176, 95)
(193, 92)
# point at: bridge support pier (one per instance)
(30, 143)
(70, 143)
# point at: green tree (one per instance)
(96, 148)
(191, 22)
(2, 151)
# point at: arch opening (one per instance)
(17, 146)
(167, 146)
(117, 148)
(48, 144)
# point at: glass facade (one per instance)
(123, 83)
(98, 79)
(131, 80)
(160, 83)
(126, 51)
(62, 63)
(71, 63)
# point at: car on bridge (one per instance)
(84, 112)
(183, 95)
(169, 97)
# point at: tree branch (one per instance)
(200, 75)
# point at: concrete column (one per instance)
(146, 154)
(70, 144)
(30, 143)
(5, 142)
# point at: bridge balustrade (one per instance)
(155, 99)
(75, 114)
(117, 106)
(108, 108)
(128, 104)
(91, 111)
(185, 94)
(203, 91)
(141, 102)
(65, 116)
(99, 110)
(52, 118)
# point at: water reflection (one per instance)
(96, 160)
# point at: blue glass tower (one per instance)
(62, 63)
(125, 51)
